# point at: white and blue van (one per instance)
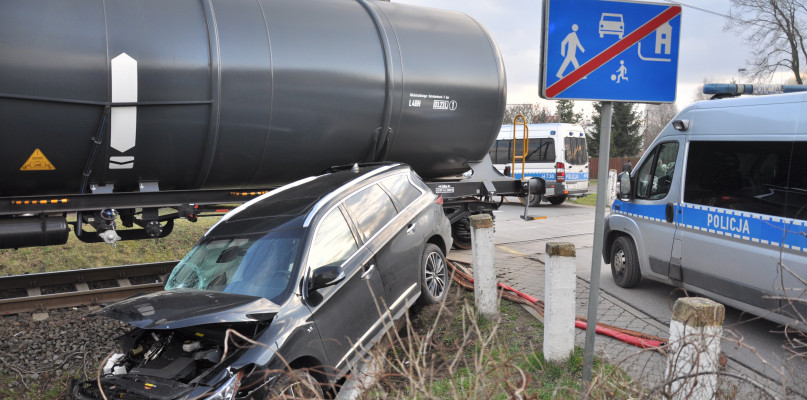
(718, 205)
(555, 152)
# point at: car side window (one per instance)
(333, 243)
(654, 179)
(372, 209)
(401, 189)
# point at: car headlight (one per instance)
(228, 390)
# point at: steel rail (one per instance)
(81, 294)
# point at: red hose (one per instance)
(637, 339)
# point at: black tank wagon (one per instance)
(118, 108)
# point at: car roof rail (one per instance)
(345, 167)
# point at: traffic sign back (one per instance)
(610, 50)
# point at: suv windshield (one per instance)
(256, 265)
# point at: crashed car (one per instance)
(286, 293)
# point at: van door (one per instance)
(734, 225)
(654, 204)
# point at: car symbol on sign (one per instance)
(612, 24)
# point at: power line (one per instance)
(699, 8)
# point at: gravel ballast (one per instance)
(46, 350)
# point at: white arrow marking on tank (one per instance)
(124, 90)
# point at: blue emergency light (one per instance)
(733, 89)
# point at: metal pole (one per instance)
(596, 255)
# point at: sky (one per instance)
(707, 51)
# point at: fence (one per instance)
(614, 163)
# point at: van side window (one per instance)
(500, 152)
(540, 149)
(655, 176)
(744, 176)
(797, 186)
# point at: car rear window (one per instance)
(401, 189)
(372, 209)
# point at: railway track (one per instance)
(83, 287)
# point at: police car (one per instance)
(556, 153)
(718, 205)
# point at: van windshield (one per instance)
(260, 265)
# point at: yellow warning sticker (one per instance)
(37, 162)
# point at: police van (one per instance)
(718, 205)
(555, 152)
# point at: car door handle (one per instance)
(367, 272)
(410, 228)
(669, 211)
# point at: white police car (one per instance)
(718, 205)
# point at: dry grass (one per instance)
(76, 254)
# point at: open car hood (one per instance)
(179, 308)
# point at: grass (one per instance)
(587, 200)
(76, 254)
(450, 352)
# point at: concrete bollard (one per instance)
(612, 175)
(559, 290)
(694, 348)
(484, 252)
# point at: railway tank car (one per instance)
(114, 109)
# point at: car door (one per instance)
(654, 205)
(346, 313)
(390, 236)
(400, 258)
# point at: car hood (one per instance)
(179, 308)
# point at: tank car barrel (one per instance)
(222, 94)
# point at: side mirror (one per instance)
(326, 275)
(623, 185)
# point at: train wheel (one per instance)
(461, 233)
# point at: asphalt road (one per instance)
(756, 343)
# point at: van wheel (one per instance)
(534, 200)
(555, 200)
(625, 263)
(296, 384)
(433, 275)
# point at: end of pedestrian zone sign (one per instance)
(610, 50)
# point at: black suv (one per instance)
(287, 292)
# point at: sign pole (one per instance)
(596, 255)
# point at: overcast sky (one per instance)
(706, 51)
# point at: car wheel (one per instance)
(461, 233)
(625, 263)
(534, 200)
(296, 384)
(555, 200)
(433, 275)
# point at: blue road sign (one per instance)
(610, 50)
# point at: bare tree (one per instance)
(656, 117)
(533, 113)
(775, 28)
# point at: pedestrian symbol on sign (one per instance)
(568, 48)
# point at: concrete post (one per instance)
(559, 289)
(483, 253)
(611, 186)
(694, 348)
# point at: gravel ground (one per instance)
(46, 353)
